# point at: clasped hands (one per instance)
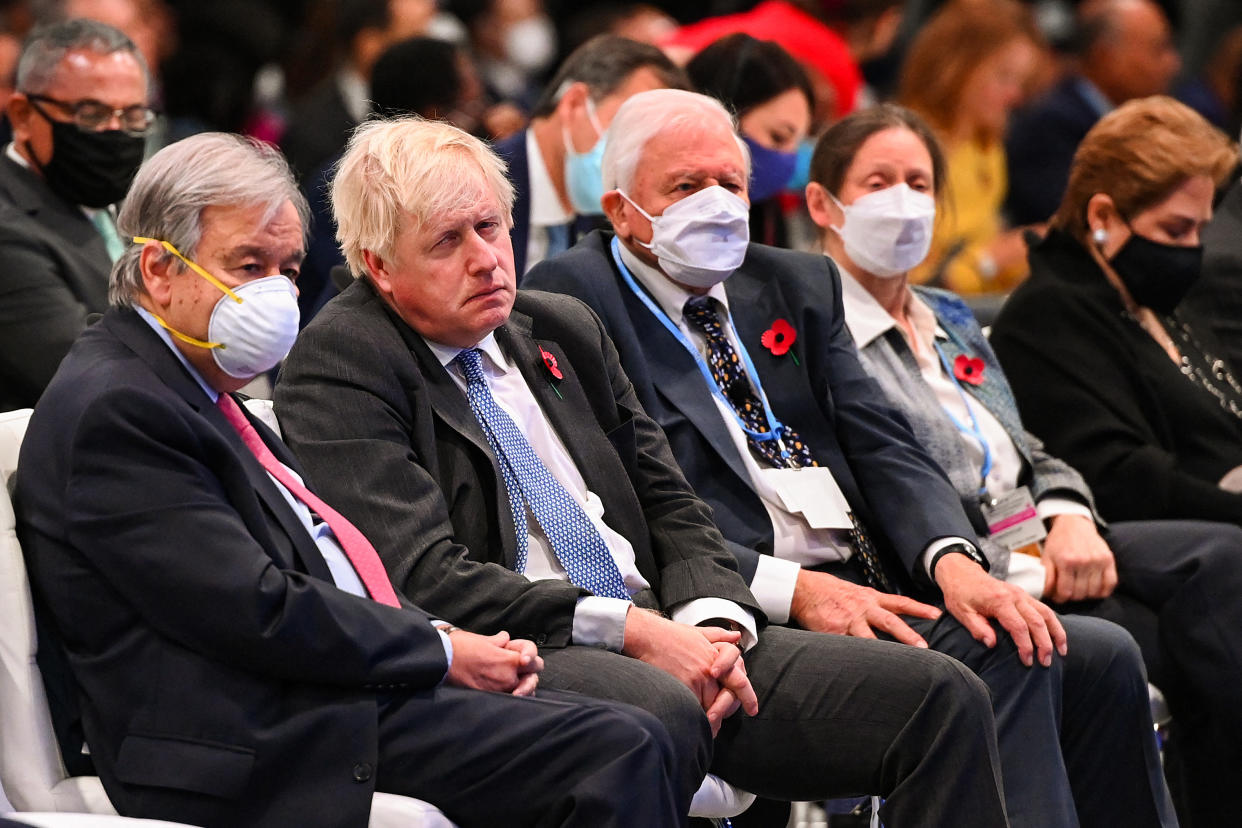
(705, 659)
(496, 663)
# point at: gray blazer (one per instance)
(388, 437)
(889, 360)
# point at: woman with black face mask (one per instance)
(1113, 375)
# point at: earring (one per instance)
(1100, 236)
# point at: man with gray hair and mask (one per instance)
(79, 116)
(489, 444)
(241, 656)
(838, 518)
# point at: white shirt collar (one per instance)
(488, 345)
(868, 320)
(353, 89)
(545, 203)
(16, 157)
(670, 296)
(163, 334)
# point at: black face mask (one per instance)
(1157, 275)
(93, 169)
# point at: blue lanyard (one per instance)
(974, 430)
(775, 427)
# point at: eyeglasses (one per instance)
(94, 116)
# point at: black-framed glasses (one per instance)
(90, 115)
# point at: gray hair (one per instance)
(170, 192)
(47, 46)
(652, 113)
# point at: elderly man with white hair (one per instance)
(242, 658)
(740, 352)
(488, 442)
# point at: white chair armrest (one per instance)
(393, 811)
(717, 799)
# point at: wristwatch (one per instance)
(959, 548)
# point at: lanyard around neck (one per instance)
(775, 428)
(974, 430)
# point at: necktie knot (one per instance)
(471, 364)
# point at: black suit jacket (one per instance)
(53, 273)
(1040, 145)
(225, 679)
(1216, 298)
(826, 396)
(381, 424)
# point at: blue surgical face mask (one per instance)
(802, 166)
(584, 176)
(770, 170)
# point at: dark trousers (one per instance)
(554, 760)
(1076, 740)
(1180, 595)
(837, 717)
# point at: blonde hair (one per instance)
(950, 48)
(1139, 153)
(397, 173)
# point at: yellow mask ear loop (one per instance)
(192, 266)
(201, 272)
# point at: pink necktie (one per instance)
(357, 548)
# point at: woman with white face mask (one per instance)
(875, 176)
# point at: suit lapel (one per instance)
(451, 407)
(677, 377)
(991, 393)
(135, 333)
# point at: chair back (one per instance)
(30, 762)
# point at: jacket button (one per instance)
(363, 771)
(541, 639)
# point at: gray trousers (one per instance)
(837, 717)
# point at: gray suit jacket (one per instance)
(391, 441)
(890, 361)
(53, 273)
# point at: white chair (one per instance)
(32, 774)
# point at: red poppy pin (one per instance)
(550, 361)
(968, 369)
(780, 338)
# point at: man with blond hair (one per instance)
(489, 443)
(241, 656)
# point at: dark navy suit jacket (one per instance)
(819, 388)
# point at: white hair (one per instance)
(656, 112)
(174, 186)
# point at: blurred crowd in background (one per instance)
(991, 76)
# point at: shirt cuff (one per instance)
(773, 586)
(692, 613)
(600, 622)
(1050, 507)
(444, 639)
(929, 554)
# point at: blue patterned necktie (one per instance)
(575, 540)
(730, 375)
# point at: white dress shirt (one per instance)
(868, 320)
(598, 621)
(343, 573)
(546, 209)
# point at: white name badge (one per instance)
(1013, 521)
(812, 493)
